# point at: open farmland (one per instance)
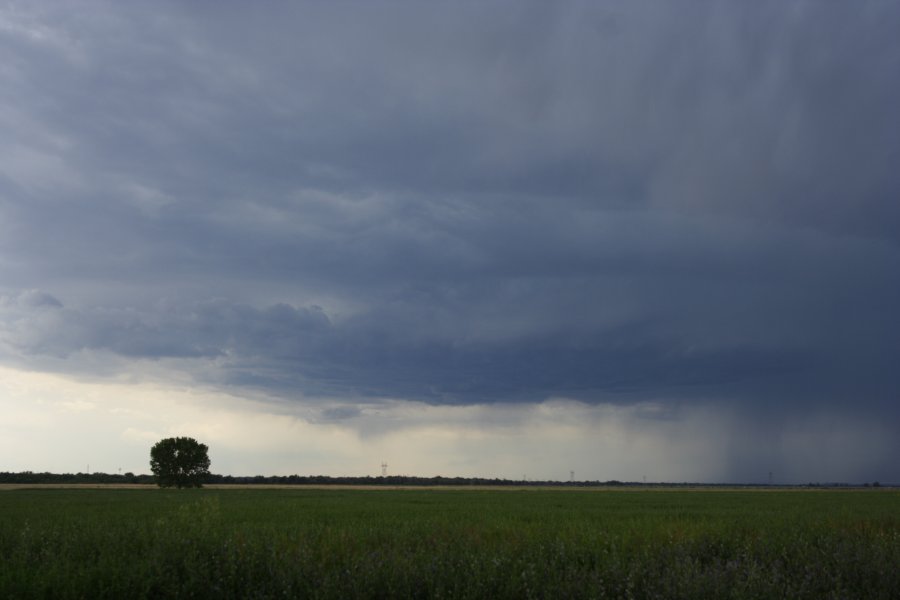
(342, 543)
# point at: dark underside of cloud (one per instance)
(612, 203)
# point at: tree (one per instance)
(179, 462)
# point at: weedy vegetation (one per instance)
(313, 543)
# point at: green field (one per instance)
(424, 543)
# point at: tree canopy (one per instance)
(179, 462)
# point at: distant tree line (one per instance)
(390, 480)
(30, 477)
(213, 478)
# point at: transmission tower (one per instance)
(383, 469)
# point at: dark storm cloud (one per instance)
(485, 203)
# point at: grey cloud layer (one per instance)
(740, 313)
(618, 202)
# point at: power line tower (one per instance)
(383, 469)
(572, 476)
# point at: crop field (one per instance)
(438, 543)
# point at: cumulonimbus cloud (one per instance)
(609, 203)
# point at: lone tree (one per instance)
(179, 462)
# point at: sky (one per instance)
(484, 239)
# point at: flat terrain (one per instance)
(499, 488)
(472, 543)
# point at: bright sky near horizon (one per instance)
(494, 239)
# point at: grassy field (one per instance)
(426, 543)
